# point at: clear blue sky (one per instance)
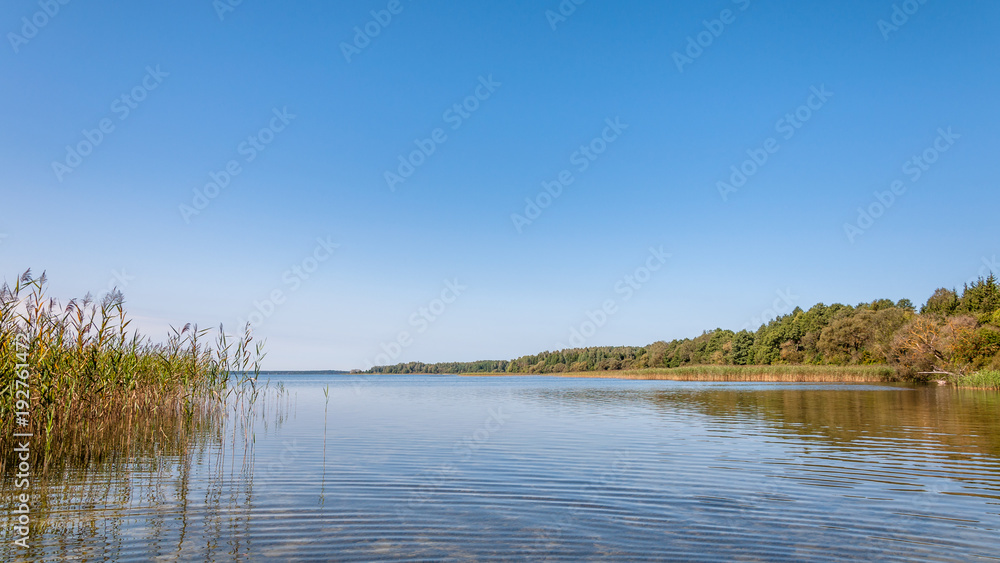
(198, 85)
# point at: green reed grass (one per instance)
(88, 370)
(986, 379)
(790, 373)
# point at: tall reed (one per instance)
(775, 373)
(88, 371)
(985, 379)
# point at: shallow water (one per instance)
(444, 467)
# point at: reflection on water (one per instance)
(498, 468)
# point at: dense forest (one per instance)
(955, 332)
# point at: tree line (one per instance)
(957, 332)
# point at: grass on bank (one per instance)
(985, 379)
(776, 373)
(77, 369)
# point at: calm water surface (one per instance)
(444, 467)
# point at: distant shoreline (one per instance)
(305, 371)
(774, 374)
(770, 373)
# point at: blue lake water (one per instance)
(499, 468)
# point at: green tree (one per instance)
(742, 344)
(981, 298)
(942, 302)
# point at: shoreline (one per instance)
(790, 374)
(985, 380)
